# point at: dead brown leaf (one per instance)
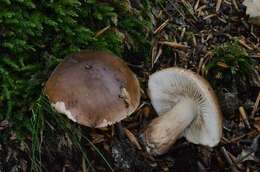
(132, 138)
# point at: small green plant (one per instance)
(230, 61)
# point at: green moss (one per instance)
(36, 35)
(230, 61)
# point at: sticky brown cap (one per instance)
(93, 88)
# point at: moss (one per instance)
(230, 61)
(36, 35)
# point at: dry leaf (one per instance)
(132, 138)
(257, 125)
(97, 138)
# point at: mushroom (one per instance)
(253, 10)
(187, 107)
(93, 88)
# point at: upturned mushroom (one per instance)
(93, 88)
(253, 10)
(187, 107)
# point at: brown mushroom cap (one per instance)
(93, 88)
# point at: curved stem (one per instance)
(164, 130)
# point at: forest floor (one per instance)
(212, 38)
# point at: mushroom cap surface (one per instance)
(93, 88)
(169, 86)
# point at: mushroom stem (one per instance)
(164, 130)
